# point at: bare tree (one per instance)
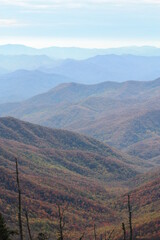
(28, 225)
(110, 235)
(130, 218)
(61, 222)
(95, 233)
(124, 231)
(19, 202)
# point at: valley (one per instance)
(63, 167)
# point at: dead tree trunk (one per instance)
(95, 234)
(61, 223)
(28, 226)
(124, 231)
(19, 203)
(110, 235)
(130, 218)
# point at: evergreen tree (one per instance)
(5, 232)
(42, 236)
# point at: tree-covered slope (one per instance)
(62, 167)
(120, 114)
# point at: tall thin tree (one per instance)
(28, 225)
(95, 233)
(61, 222)
(124, 231)
(130, 218)
(19, 202)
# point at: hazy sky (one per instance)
(83, 23)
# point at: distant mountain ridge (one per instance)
(27, 62)
(23, 84)
(77, 53)
(23, 76)
(97, 69)
(111, 67)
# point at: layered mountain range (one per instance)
(93, 70)
(124, 115)
(24, 76)
(86, 133)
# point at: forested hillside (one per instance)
(62, 167)
(124, 115)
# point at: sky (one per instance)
(80, 23)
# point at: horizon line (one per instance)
(91, 48)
